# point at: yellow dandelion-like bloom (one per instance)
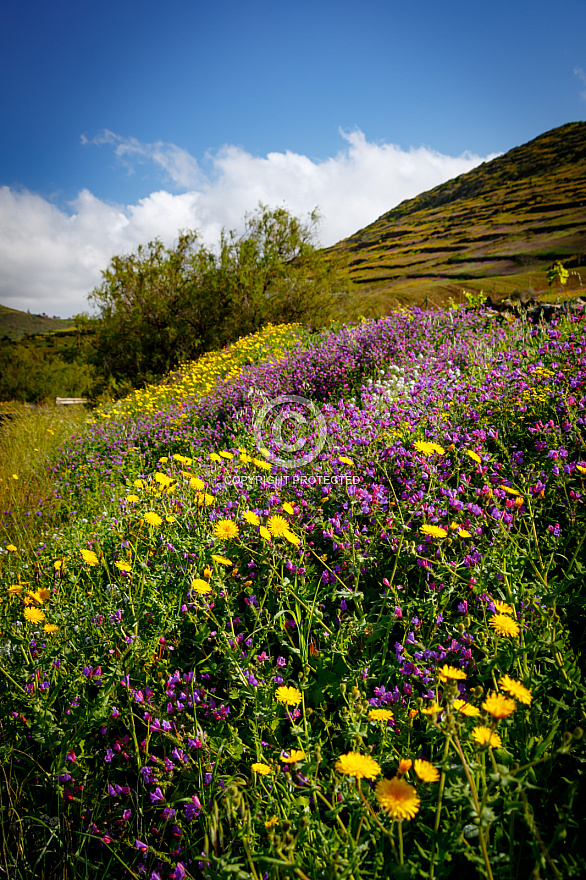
(197, 484)
(343, 460)
(227, 455)
(270, 823)
(221, 560)
(466, 708)
(170, 519)
(473, 455)
(262, 464)
(15, 476)
(357, 765)
(41, 595)
(502, 607)
(152, 518)
(405, 765)
(123, 566)
(451, 673)
(485, 736)
(397, 798)
(262, 769)
(58, 564)
(509, 489)
(293, 539)
(504, 625)
(581, 469)
(291, 696)
(426, 771)
(89, 557)
(516, 689)
(132, 499)
(207, 572)
(428, 448)
(277, 526)
(380, 715)
(50, 628)
(215, 457)
(226, 529)
(200, 586)
(139, 484)
(34, 615)
(288, 508)
(433, 531)
(15, 590)
(244, 458)
(264, 533)
(204, 498)
(432, 709)
(498, 705)
(293, 757)
(462, 533)
(163, 479)
(12, 548)
(251, 518)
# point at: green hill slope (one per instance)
(15, 324)
(496, 228)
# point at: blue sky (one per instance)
(123, 121)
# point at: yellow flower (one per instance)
(264, 533)
(207, 572)
(152, 518)
(405, 765)
(581, 469)
(221, 560)
(225, 529)
(200, 586)
(293, 757)
(244, 458)
(432, 709)
(504, 625)
(251, 518)
(426, 771)
(89, 557)
(41, 595)
(484, 736)
(139, 484)
(508, 489)
(227, 455)
(462, 533)
(451, 673)
(261, 768)
(498, 705)
(170, 519)
(397, 798)
(433, 531)
(288, 508)
(15, 590)
(293, 539)
(12, 548)
(277, 526)
(343, 460)
(123, 566)
(204, 498)
(34, 615)
(516, 689)
(132, 499)
(50, 628)
(502, 607)
(58, 564)
(272, 822)
(357, 765)
(473, 455)
(215, 457)
(197, 484)
(466, 708)
(264, 465)
(428, 448)
(291, 696)
(163, 479)
(380, 715)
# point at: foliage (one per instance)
(558, 273)
(368, 666)
(39, 368)
(162, 306)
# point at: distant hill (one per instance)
(15, 324)
(496, 228)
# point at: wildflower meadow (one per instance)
(312, 607)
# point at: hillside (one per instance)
(496, 228)
(15, 324)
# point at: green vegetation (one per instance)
(15, 324)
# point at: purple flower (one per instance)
(192, 809)
(141, 847)
(109, 755)
(156, 795)
(178, 873)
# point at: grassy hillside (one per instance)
(496, 228)
(15, 324)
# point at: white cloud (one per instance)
(50, 259)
